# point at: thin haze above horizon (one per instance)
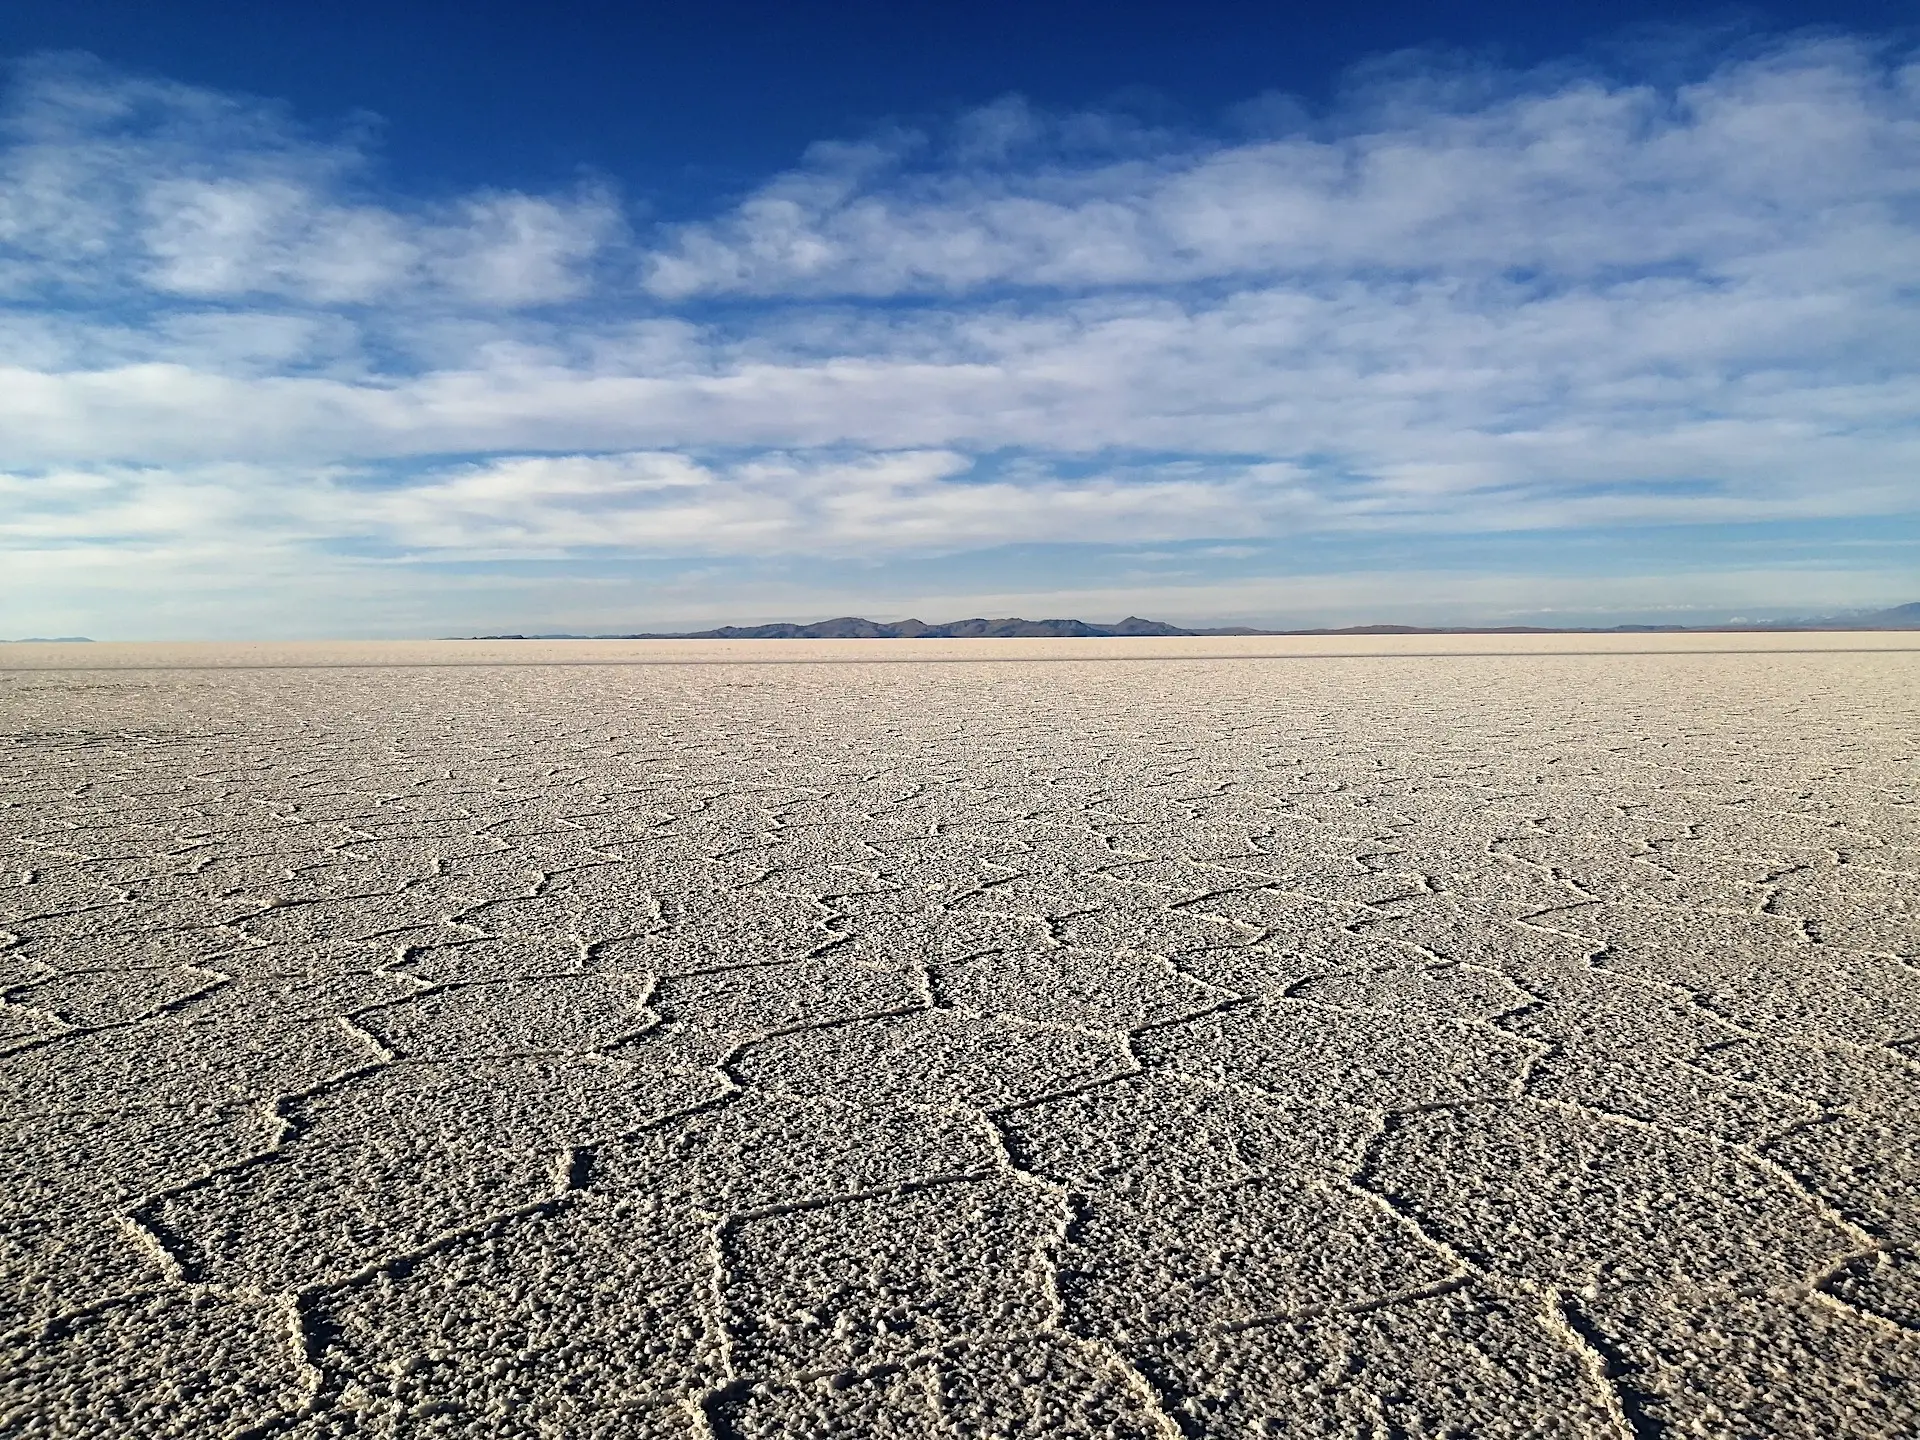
(438, 320)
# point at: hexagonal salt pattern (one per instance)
(1491, 1046)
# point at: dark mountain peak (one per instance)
(854, 627)
(1012, 627)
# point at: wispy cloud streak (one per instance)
(1808, 154)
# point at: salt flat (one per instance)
(1423, 1036)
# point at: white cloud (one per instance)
(1529, 302)
(650, 502)
(211, 238)
(1811, 153)
(111, 186)
(507, 250)
(856, 505)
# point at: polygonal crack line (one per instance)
(69, 914)
(1534, 920)
(1827, 1208)
(1563, 1319)
(1539, 1048)
(277, 907)
(725, 1064)
(1818, 1204)
(1063, 1207)
(141, 1216)
(1362, 1180)
(304, 1341)
(1231, 1002)
(843, 1377)
(1539, 1051)
(275, 1108)
(426, 988)
(311, 1338)
(64, 1029)
(1819, 1286)
(1512, 1012)
(1875, 1052)
(705, 1405)
(1073, 1203)
(360, 1035)
(913, 1185)
(1758, 1087)
(1089, 1032)
(51, 1328)
(1596, 962)
(136, 1219)
(35, 1042)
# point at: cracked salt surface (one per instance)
(761, 1041)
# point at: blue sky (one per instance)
(488, 317)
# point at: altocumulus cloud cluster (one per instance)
(1462, 302)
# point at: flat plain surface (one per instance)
(320, 653)
(1431, 1036)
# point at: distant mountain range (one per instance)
(852, 627)
(1898, 617)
